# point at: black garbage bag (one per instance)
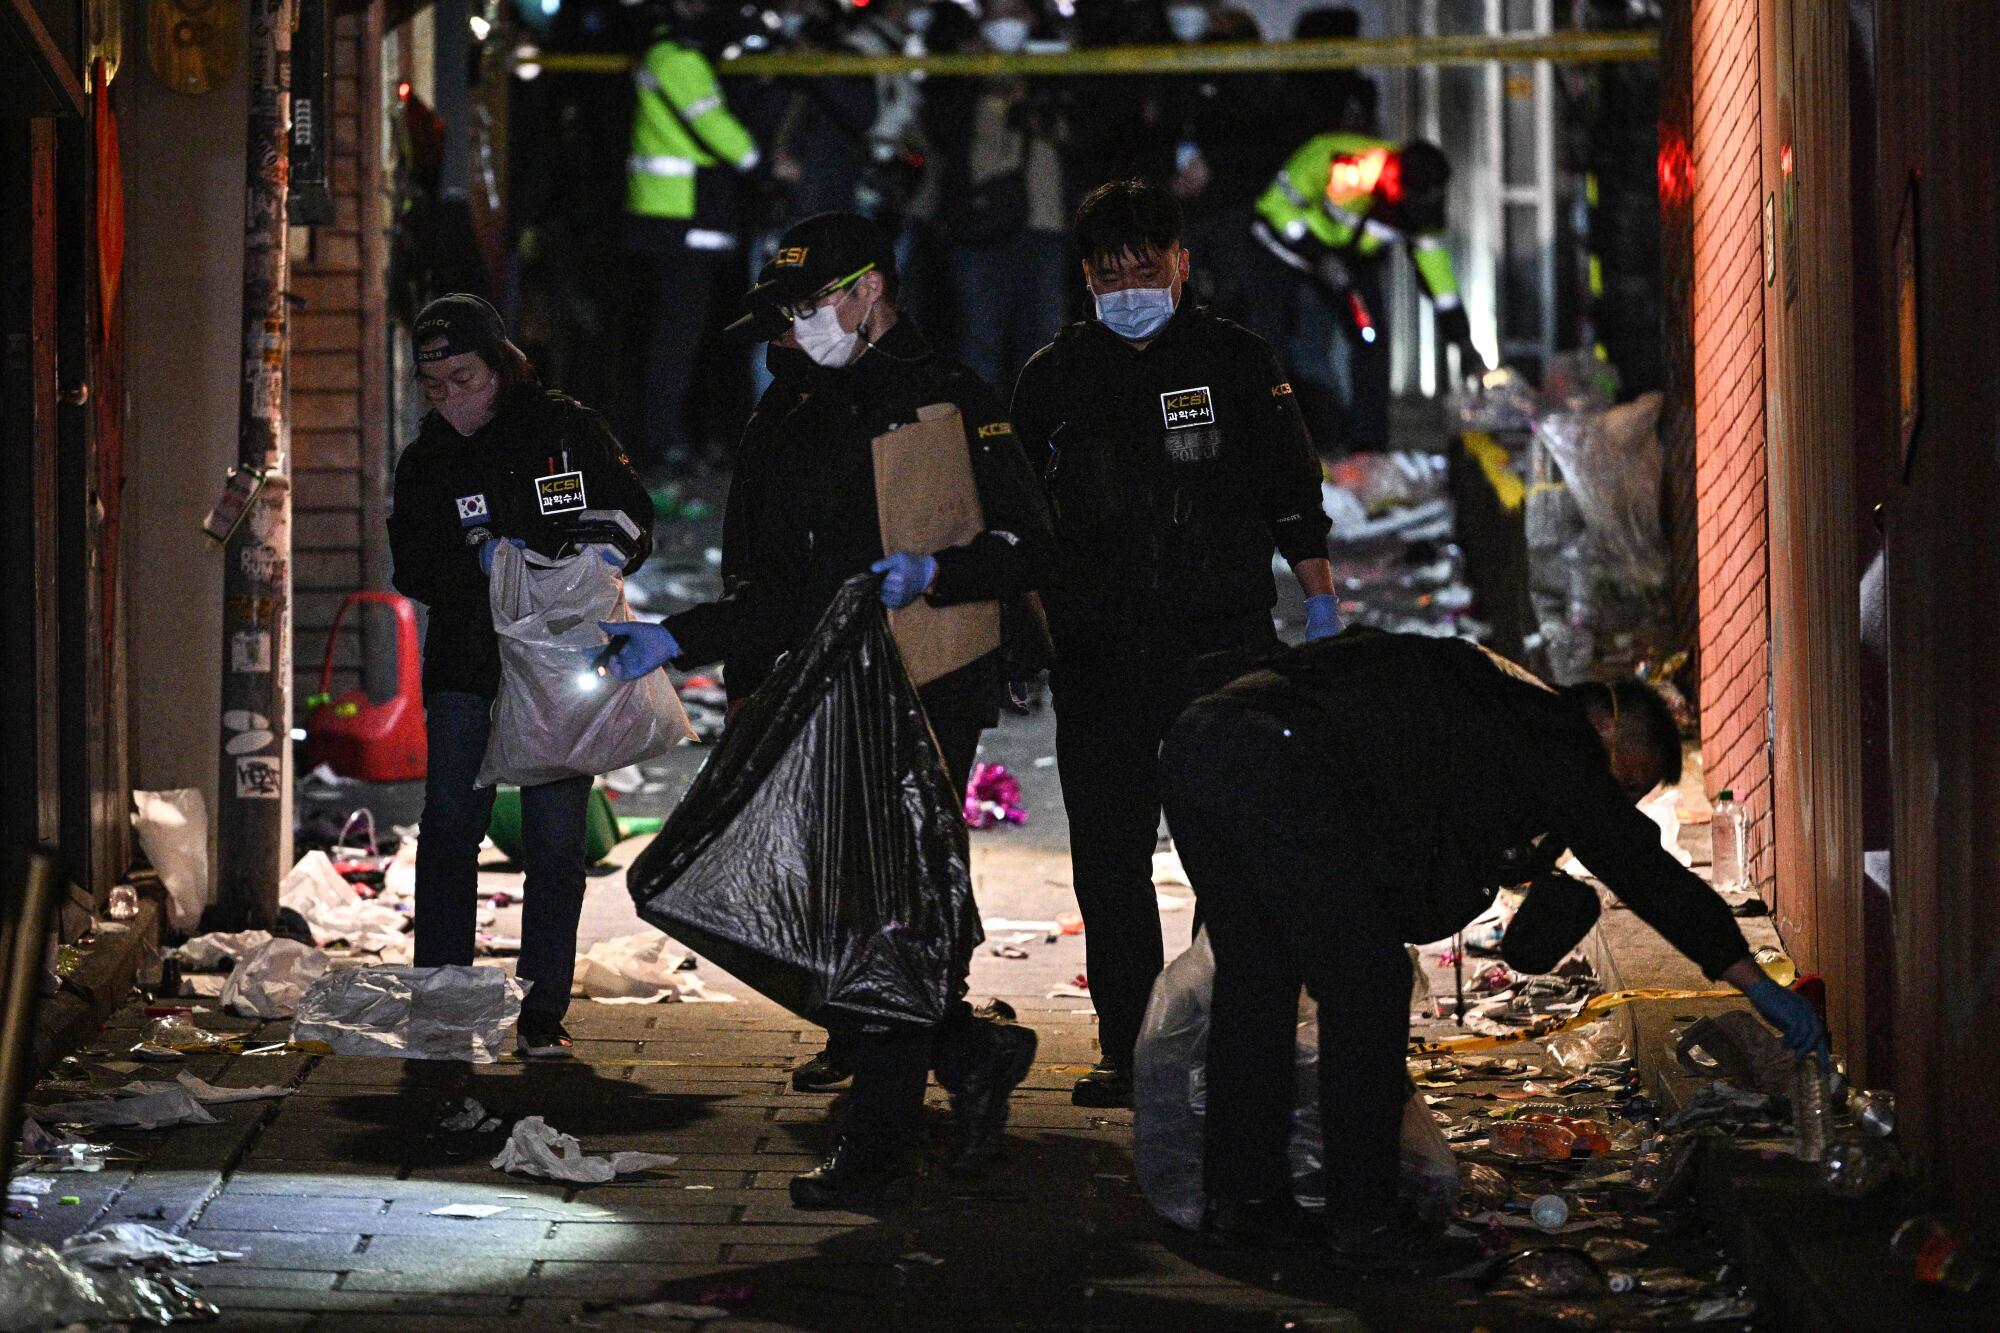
(821, 854)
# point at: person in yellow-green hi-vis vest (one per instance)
(681, 216)
(1325, 226)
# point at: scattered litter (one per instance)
(175, 1034)
(334, 910)
(1077, 988)
(272, 978)
(122, 1243)
(641, 969)
(1718, 1309)
(537, 1149)
(473, 1210)
(1045, 761)
(420, 1013)
(470, 1118)
(45, 1289)
(153, 1110)
(1031, 928)
(1008, 951)
(920, 1259)
(215, 949)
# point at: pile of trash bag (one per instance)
(1170, 1098)
(821, 854)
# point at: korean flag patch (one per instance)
(471, 510)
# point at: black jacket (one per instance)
(1451, 765)
(454, 491)
(803, 519)
(1172, 472)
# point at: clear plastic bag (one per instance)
(556, 717)
(173, 829)
(1612, 463)
(1170, 1099)
(273, 978)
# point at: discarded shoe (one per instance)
(1105, 1087)
(979, 1102)
(1261, 1224)
(853, 1174)
(823, 1071)
(543, 1038)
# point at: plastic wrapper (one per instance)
(171, 1105)
(1170, 1099)
(273, 978)
(555, 716)
(173, 829)
(1612, 463)
(1499, 400)
(821, 855)
(215, 949)
(536, 1148)
(412, 1013)
(640, 969)
(41, 1289)
(334, 911)
(122, 1243)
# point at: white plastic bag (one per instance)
(639, 969)
(1170, 1099)
(173, 828)
(555, 716)
(273, 978)
(412, 1013)
(537, 1148)
(334, 910)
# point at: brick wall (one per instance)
(1730, 479)
(338, 541)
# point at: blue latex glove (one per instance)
(611, 556)
(492, 544)
(1794, 1017)
(905, 577)
(1322, 616)
(646, 649)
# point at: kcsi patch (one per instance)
(1184, 408)
(560, 493)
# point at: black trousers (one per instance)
(1285, 904)
(891, 1069)
(684, 281)
(1110, 717)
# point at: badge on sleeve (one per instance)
(561, 493)
(472, 510)
(1184, 408)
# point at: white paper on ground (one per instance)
(469, 1210)
(1168, 872)
(171, 1106)
(639, 969)
(134, 1243)
(216, 948)
(993, 923)
(412, 1013)
(203, 1092)
(271, 980)
(334, 911)
(536, 1148)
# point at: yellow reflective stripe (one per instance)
(1509, 489)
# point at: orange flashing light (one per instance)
(1357, 175)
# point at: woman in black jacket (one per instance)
(501, 458)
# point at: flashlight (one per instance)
(601, 664)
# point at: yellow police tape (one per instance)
(1550, 1026)
(1570, 48)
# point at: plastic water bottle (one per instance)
(1550, 1212)
(1812, 1113)
(1730, 830)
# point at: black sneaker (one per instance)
(539, 1037)
(1106, 1087)
(979, 1102)
(854, 1174)
(1261, 1224)
(823, 1071)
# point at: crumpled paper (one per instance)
(334, 911)
(412, 1013)
(272, 978)
(136, 1243)
(172, 1105)
(217, 948)
(536, 1148)
(640, 969)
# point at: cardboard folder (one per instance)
(927, 499)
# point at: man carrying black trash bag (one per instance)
(1349, 795)
(816, 523)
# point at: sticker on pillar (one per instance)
(560, 494)
(259, 777)
(262, 564)
(250, 652)
(248, 742)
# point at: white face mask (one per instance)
(1188, 22)
(1005, 35)
(820, 336)
(466, 410)
(1136, 313)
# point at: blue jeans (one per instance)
(1009, 302)
(456, 816)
